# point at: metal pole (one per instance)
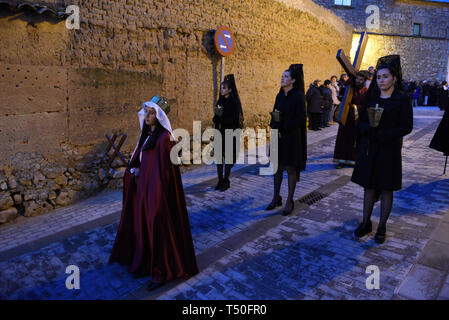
(222, 69)
(445, 166)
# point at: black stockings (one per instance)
(291, 170)
(386, 203)
(227, 171)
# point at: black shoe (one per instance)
(380, 235)
(153, 285)
(363, 229)
(219, 185)
(225, 186)
(272, 205)
(286, 213)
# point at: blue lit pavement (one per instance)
(245, 252)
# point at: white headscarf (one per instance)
(161, 116)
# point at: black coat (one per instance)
(292, 141)
(326, 95)
(228, 120)
(443, 98)
(440, 140)
(314, 100)
(379, 159)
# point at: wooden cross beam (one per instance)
(116, 148)
(346, 64)
(351, 70)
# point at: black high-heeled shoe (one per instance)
(380, 235)
(225, 185)
(272, 205)
(287, 212)
(363, 229)
(219, 185)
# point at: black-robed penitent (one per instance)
(440, 140)
(379, 160)
(292, 129)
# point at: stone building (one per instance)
(62, 89)
(417, 30)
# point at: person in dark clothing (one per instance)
(345, 151)
(292, 138)
(326, 93)
(341, 84)
(379, 164)
(433, 94)
(443, 96)
(314, 105)
(421, 93)
(228, 115)
(440, 140)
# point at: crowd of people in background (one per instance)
(323, 98)
(427, 93)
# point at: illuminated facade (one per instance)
(417, 30)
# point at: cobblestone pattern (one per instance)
(308, 256)
(314, 255)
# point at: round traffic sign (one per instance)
(224, 41)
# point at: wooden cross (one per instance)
(116, 148)
(351, 70)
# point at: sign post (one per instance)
(225, 45)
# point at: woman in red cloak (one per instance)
(154, 237)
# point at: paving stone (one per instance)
(436, 255)
(422, 283)
(441, 233)
(311, 254)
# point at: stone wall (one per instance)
(423, 58)
(64, 90)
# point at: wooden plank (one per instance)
(360, 51)
(346, 63)
(351, 70)
(346, 103)
(117, 150)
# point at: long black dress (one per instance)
(292, 129)
(440, 140)
(379, 160)
(228, 120)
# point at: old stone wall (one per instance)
(63, 90)
(424, 57)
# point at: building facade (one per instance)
(416, 30)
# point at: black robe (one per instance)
(440, 140)
(292, 129)
(379, 160)
(228, 120)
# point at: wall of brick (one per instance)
(63, 90)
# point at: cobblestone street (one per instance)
(245, 252)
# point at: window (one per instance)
(416, 29)
(346, 3)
